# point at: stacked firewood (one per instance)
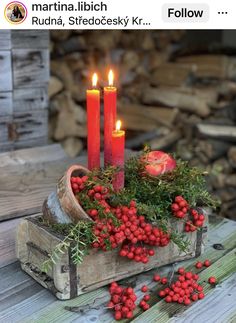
(170, 97)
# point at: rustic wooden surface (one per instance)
(23, 300)
(25, 181)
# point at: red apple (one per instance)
(158, 162)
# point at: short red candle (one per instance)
(93, 126)
(118, 156)
(110, 94)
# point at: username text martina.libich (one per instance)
(61, 6)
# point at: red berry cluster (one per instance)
(185, 290)
(179, 207)
(122, 301)
(77, 183)
(137, 253)
(98, 192)
(197, 222)
(132, 231)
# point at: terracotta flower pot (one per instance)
(62, 206)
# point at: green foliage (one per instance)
(79, 238)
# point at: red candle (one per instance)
(118, 156)
(93, 125)
(110, 94)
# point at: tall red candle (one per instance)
(93, 125)
(110, 93)
(118, 156)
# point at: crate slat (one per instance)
(5, 39)
(30, 39)
(6, 107)
(30, 124)
(30, 67)
(5, 71)
(30, 99)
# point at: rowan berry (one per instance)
(194, 297)
(187, 301)
(146, 297)
(201, 295)
(168, 299)
(144, 289)
(188, 275)
(156, 278)
(175, 298)
(118, 315)
(181, 270)
(164, 280)
(199, 265)
(129, 315)
(207, 263)
(162, 293)
(212, 280)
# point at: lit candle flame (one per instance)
(118, 125)
(110, 78)
(94, 80)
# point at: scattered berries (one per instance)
(212, 280)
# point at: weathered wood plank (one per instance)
(223, 232)
(222, 268)
(7, 242)
(5, 136)
(20, 294)
(21, 158)
(35, 142)
(23, 188)
(26, 39)
(5, 39)
(222, 299)
(30, 68)
(5, 71)
(30, 124)
(30, 99)
(6, 107)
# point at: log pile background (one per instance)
(176, 93)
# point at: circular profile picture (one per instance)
(15, 12)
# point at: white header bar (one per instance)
(117, 14)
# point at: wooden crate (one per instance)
(66, 280)
(24, 76)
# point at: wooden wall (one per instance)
(24, 76)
